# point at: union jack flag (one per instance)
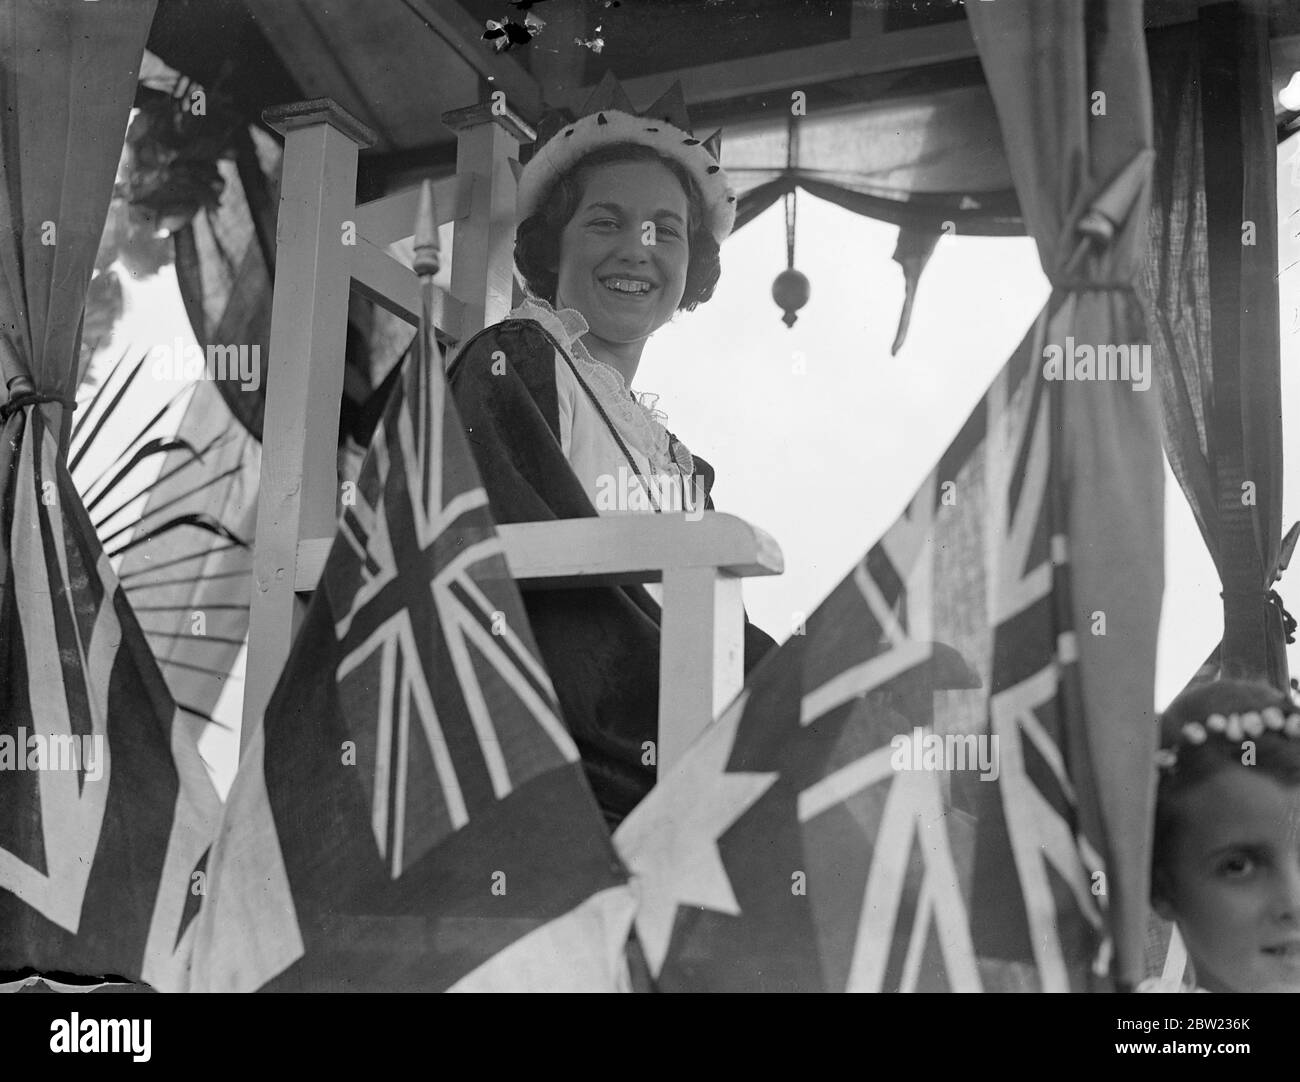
(412, 813)
(106, 811)
(421, 591)
(806, 843)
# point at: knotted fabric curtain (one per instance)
(1210, 284)
(106, 827)
(69, 76)
(1071, 86)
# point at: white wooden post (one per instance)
(309, 311)
(487, 139)
(701, 655)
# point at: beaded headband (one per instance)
(1233, 728)
(608, 118)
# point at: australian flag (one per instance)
(106, 810)
(411, 814)
(888, 805)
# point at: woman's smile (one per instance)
(629, 288)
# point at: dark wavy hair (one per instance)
(1277, 756)
(537, 240)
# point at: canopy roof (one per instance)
(898, 83)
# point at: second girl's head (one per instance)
(1226, 865)
(622, 214)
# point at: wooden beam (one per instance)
(458, 29)
(381, 278)
(562, 68)
(613, 549)
(391, 218)
(805, 68)
(395, 288)
(867, 51)
(635, 547)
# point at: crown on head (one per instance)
(608, 116)
(609, 94)
(1234, 728)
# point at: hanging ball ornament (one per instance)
(790, 291)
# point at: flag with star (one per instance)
(411, 813)
(811, 841)
(106, 810)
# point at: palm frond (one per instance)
(105, 414)
(201, 554)
(99, 393)
(102, 523)
(220, 674)
(224, 639)
(210, 720)
(200, 520)
(221, 605)
(167, 474)
(156, 446)
(135, 442)
(187, 579)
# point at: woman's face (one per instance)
(630, 231)
(1233, 881)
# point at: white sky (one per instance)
(826, 460)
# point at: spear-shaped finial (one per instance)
(427, 253)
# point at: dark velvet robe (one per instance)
(600, 644)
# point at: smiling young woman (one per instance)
(621, 221)
(622, 240)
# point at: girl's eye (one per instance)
(604, 221)
(1236, 867)
(669, 230)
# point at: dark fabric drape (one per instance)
(1241, 192)
(1209, 286)
(996, 214)
(225, 273)
(1174, 282)
(924, 158)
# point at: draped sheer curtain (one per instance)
(1209, 288)
(67, 79)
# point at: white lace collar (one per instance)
(633, 414)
